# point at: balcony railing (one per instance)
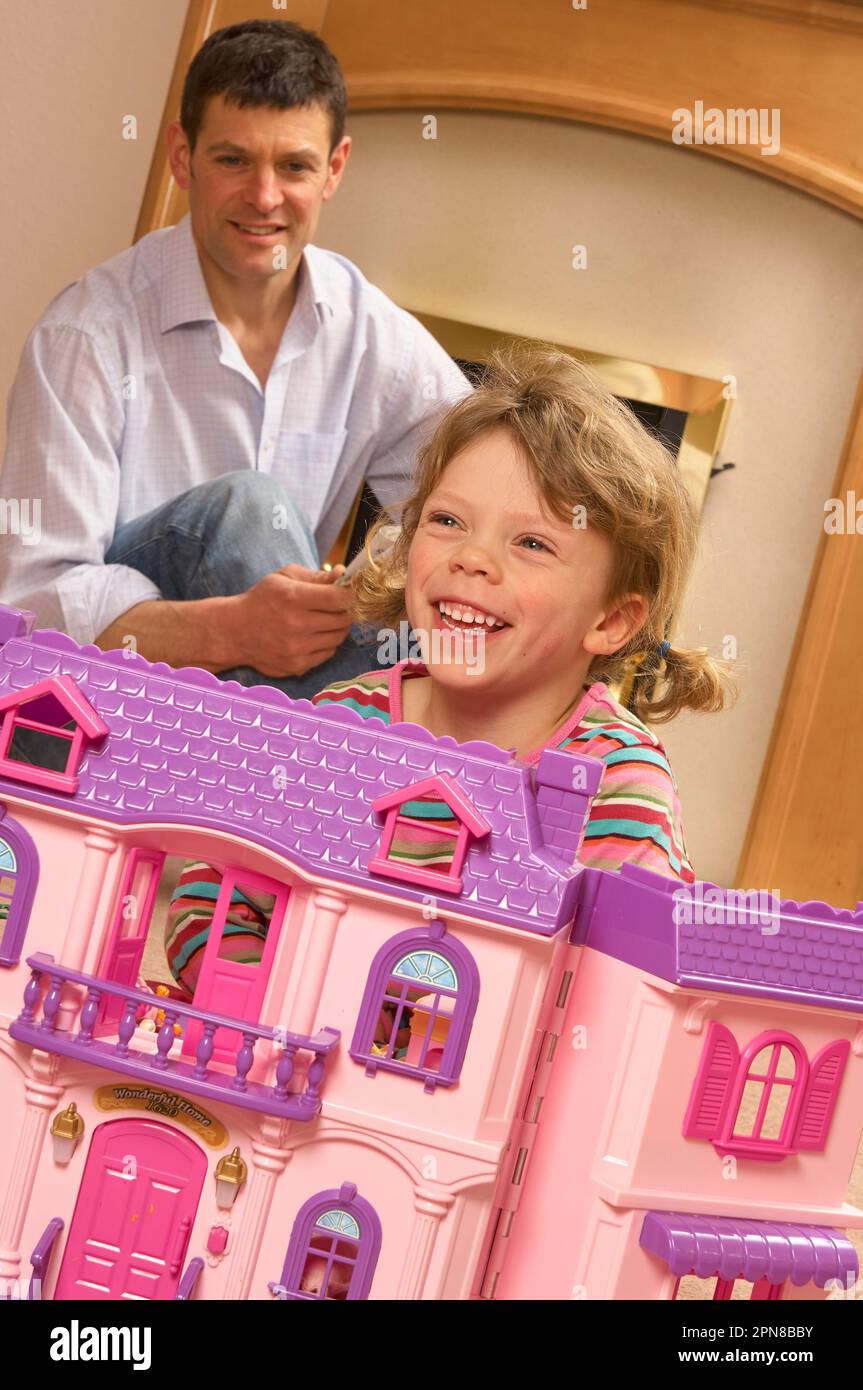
(45, 987)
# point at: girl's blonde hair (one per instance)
(584, 450)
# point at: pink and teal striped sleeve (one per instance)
(635, 817)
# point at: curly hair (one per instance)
(584, 449)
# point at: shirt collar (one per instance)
(186, 299)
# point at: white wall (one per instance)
(70, 71)
(693, 264)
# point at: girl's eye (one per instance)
(533, 542)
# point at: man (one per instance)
(197, 414)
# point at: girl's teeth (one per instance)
(467, 615)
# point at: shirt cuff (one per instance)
(95, 597)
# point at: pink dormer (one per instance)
(55, 710)
(425, 836)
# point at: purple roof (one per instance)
(814, 955)
(186, 747)
(734, 1248)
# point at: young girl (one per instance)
(548, 538)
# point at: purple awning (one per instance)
(735, 1248)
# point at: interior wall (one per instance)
(69, 75)
(692, 263)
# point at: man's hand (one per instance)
(286, 624)
(291, 620)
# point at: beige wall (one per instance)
(70, 71)
(692, 264)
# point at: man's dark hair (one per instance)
(264, 62)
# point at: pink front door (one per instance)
(237, 961)
(134, 1214)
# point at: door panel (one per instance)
(134, 1214)
(128, 938)
(238, 957)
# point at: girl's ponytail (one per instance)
(678, 679)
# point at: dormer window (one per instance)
(43, 730)
(427, 830)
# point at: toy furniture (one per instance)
(604, 1083)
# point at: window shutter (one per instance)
(822, 1092)
(712, 1089)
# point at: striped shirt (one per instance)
(635, 817)
(130, 392)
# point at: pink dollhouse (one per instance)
(453, 1063)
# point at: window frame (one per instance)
(436, 939)
(26, 874)
(88, 725)
(470, 823)
(345, 1198)
(719, 1084)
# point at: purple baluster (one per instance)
(245, 1058)
(204, 1050)
(314, 1079)
(126, 1027)
(89, 1014)
(32, 990)
(165, 1040)
(284, 1071)
(52, 1002)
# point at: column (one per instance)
(431, 1204)
(99, 845)
(329, 909)
(41, 1100)
(268, 1161)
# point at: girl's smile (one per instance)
(491, 565)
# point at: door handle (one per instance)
(184, 1230)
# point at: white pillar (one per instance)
(268, 1162)
(431, 1204)
(99, 845)
(321, 935)
(41, 1099)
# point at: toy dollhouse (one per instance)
(423, 1054)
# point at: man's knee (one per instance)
(254, 504)
(249, 494)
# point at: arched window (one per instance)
(763, 1110)
(333, 1250)
(19, 872)
(767, 1102)
(418, 1007)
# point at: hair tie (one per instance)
(663, 649)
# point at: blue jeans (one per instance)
(219, 538)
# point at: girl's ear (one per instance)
(624, 619)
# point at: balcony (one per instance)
(229, 1084)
